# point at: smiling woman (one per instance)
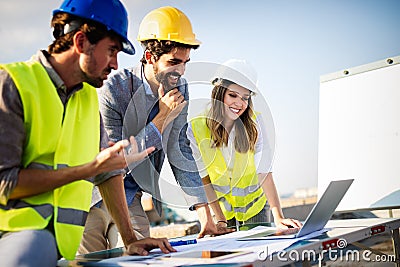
(227, 141)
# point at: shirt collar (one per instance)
(146, 85)
(42, 57)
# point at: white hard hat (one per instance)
(238, 71)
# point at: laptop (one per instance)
(318, 217)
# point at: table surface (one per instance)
(336, 231)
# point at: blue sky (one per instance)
(290, 43)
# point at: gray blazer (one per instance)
(125, 107)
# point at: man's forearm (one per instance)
(160, 122)
(36, 181)
(113, 195)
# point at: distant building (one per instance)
(305, 192)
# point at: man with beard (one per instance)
(51, 135)
(150, 103)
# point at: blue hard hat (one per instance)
(110, 13)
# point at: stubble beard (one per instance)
(91, 67)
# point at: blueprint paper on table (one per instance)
(226, 242)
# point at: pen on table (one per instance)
(183, 242)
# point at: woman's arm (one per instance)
(213, 200)
(222, 223)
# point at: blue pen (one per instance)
(183, 242)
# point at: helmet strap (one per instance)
(72, 26)
(69, 27)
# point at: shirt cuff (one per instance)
(101, 178)
(194, 206)
(156, 129)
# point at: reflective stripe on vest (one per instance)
(45, 210)
(240, 195)
(222, 189)
(56, 137)
(71, 216)
(236, 191)
(65, 215)
(241, 192)
(228, 207)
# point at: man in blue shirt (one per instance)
(150, 103)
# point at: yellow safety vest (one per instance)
(55, 138)
(238, 190)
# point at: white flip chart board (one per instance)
(359, 134)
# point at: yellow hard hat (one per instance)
(167, 23)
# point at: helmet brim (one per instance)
(127, 47)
